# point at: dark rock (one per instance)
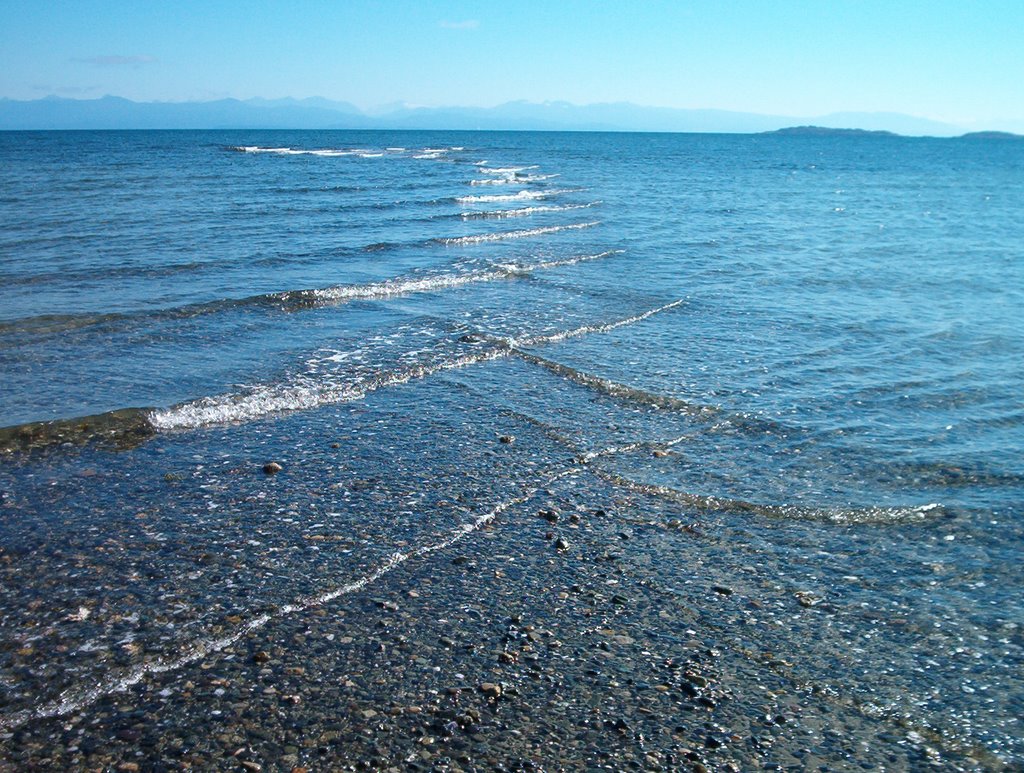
(272, 468)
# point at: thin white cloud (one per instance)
(116, 60)
(468, 24)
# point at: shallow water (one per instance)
(807, 350)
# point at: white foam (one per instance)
(587, 329)
(523, 234)
(396, 287)
(520, 196)
(301, 152)
(303, 394)
(311, 390)
(498, 214)
(494, 181)
(78, 697)
(504, 170)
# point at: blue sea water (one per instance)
(820, 337)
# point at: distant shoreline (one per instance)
(313, 114)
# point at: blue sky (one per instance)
(960, 62)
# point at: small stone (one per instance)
(696, 679)
(272, 468)
(807, 598)
(722, 589)
(659, 453)
(490, 689)
(507, 439)
(551, 516)
(562, 544)
(253, 766)
(261, 657)
(368, 714)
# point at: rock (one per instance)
(261, 657)
(550, 516)
(272, 468)
(490, 689)
(659, 453)
(807, 598)
(562, 544)
(507, 439)
(696, 679)
(722, 589)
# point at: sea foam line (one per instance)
(499, 214)
(304, 395)
(505, 170)
(587, 329)
(513, 179)
(495, 237)
(308, 393)
(301, 152)
(521, 195)
(395, 287)
(77, 697)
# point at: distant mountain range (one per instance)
(318, 113)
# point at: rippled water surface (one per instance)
(811, 347)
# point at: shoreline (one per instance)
(550, 637)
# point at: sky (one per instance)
(957, 61)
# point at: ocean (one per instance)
(735, 421)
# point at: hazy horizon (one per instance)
(941, 61)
